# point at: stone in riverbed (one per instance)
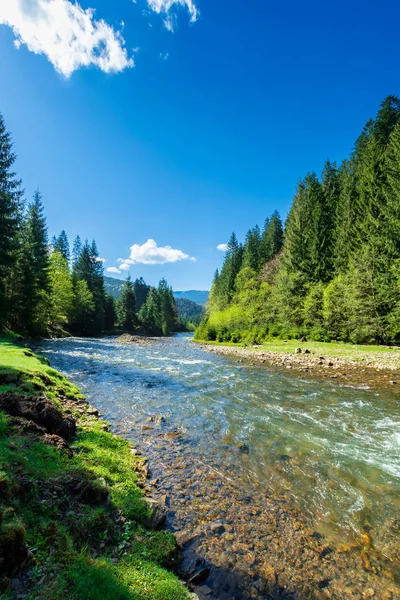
(200, 576)
(217, 528)
(204, 590)
(156, 516)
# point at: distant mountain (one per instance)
(113, 287)
(190, 311)
(198, 296)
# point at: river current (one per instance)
(228, 437)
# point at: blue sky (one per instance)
(207, 133)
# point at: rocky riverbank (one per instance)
(368, 369)
(241, 542)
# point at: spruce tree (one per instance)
(141, 291)
(272, 238)
(126, 307)
(110, 314)
(11, 206)
(35, 268)
(62, 245)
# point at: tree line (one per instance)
(45, 289)
(333, 271)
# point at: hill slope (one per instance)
(113, 287)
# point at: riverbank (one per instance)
(74, 517)
(375, 367)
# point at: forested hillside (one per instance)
(197, 296)
(334, 272)
(113, 287)
(47, 290)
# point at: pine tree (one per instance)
(126, 307)
(169, 312)
(76, 250)
(62, 245)
(11, 206)
(150, 314)
(251, 250)
(88, 267)
(272, 238)
(141, 291)
(110, 314)
(83, 312)
(35, 269)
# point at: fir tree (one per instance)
(62, 245)
(10, 216)
(126, 307)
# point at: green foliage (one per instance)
(336, 277)
(10, 216)
(159, 315)
(126, 307)
(83, 309)
(61, 290)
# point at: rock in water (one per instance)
(157, 514)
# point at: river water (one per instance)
(304, 476)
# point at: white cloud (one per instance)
(164, 56)
(151, 254)
(100, 260)
(113, 270)
(66, 34)
(166, 7)
(125, 266)
(222, 247)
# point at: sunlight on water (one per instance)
(335, 450)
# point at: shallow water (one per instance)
(332, 451)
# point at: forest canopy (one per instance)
(45, 289)
(333, 271)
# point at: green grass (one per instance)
(86, 547)
(372, 354)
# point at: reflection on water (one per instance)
(335, 450)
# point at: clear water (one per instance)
(334, 450)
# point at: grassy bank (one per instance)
(72, 514)
(388, 356)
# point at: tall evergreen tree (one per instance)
(10, 216)
(251, 250)
(35, 268)
(126, 307)
(110, 314)
(62, 245)
(272, 238)
(141, 291)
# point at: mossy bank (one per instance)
(74, 519)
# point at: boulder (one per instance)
(156, 516)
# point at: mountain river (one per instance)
(282, 487)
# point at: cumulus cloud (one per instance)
(151, 254)
(68, 35)
(166, 8)
(222, 247)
